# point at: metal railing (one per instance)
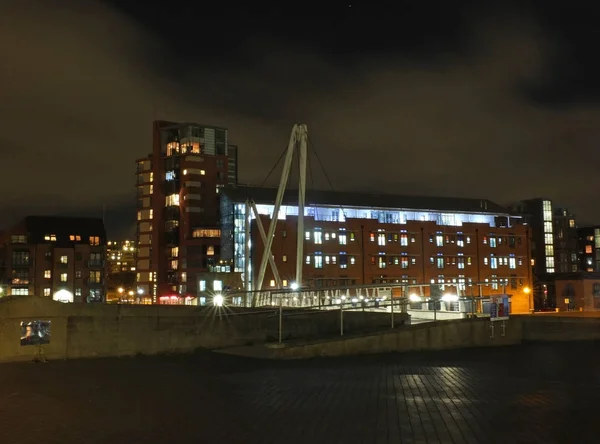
(379, 313)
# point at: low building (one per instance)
(589, 249)
(56, 257)
(473, 245)
(578, 291)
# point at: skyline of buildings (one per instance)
(192, 238)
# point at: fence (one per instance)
(294, 311)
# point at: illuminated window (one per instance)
(307, 260)
(202, 172)
(404, 240)
(272, 283)
(326, 236)
(284, 258)
(381, 262)
(47, 291)
(172, 148)
(343, 239)
(94, 241)
(307, 235)
(47, 274)
(512, 262)
(169, 176)
(439, 240)
(318, 261)
(200, 232)
(172, 200)
(318, 237)
(18, 239)
(64, 259)
(218, 285)
(284, 283)
(352, 260)
(440, 262)
(210, 250)
(404, 262)
(381, 239)
(571, 223)
(50, 237)
(493, 242)
(202, 285)
(63, 277)
(460, 262)
(95, 277)
(352, 238)
(588, 249)
(175, 252)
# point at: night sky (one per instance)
(496, 102)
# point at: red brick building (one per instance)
(355, 239)
(178, 216)
(57, 257)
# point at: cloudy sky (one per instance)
(494, 102)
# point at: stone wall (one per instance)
(87, 330)
(443, 335)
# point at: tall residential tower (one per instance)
(178, 217)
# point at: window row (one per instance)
(24, 258)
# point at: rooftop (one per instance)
(267, 195)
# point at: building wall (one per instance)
(578, 294)
(412, 253)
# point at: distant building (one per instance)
(589, 249)
(55, 257)
(554, 246)
(578, 291)
(470, 245)
(121, 256)
(178, 219)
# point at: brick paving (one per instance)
(534, 393)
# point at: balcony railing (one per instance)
(96, 263)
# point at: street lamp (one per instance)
(294, 286)
(120, 290)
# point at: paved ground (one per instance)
(542, 393)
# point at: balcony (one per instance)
(22, 263)
(95, 263)
(172, 237)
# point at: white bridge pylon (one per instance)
(298, 142)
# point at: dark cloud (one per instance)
(81, 86)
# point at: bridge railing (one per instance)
(340, 315)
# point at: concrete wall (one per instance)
(564, 327)
(87, 330)
(444, 335)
